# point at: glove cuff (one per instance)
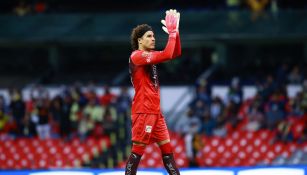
(172, 34)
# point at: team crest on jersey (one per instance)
(147, 56)
(148, 128)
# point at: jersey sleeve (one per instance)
(155, 57)
(177, 51)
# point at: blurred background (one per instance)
(237, 96)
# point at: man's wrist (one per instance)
(172, 34)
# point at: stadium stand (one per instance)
(58, 43)
(34, 153)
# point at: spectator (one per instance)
(123, 105)
(220, 130)
(42, 112)
(3, 121)
(78, 103)
(191, 128)
(199, 107)
(274, 7)
(22, 8)
(230, 115)
(233, 4)
(281, 75)
(184, 125)
(123, 100)
(78, 95)
(216, 108)
(284, 133)
(7, 124)
(29, 123)
(39, 92)
(107, 98)
(235, 93)
(295, 105)
(295, 76)
(304, 97)
(3, 105)
(94, 110)
(76, 109)
(255, 116)
(257, 7)
(233, 7)
(193, 146)
(57, 113)
(304, 134)
(86, 125)
(40, 7)
(202, 92)
(95, 113)
(267, 88)
(65, 124)
(275, 111)
(109, 120)
(208, 124)
(17, 108)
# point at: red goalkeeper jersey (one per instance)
(144, 76)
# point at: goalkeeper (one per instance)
(148, 124)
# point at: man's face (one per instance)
(147, 42)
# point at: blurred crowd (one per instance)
(75, 112)
(23, 7)
(80, 112)
(270, 109)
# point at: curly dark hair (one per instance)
(138, 32)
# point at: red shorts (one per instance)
(149, 128)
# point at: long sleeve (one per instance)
(155, 57)
(177, 51)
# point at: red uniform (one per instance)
(147, 119)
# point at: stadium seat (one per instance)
(304, 147)
(297, 129)
(32, 153)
